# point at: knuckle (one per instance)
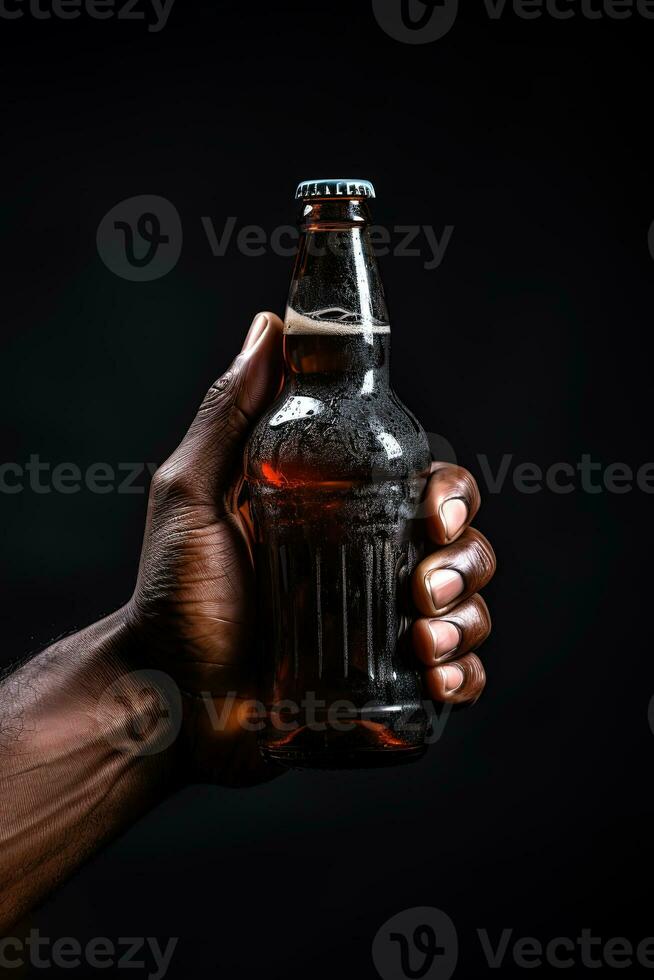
(450, 473)
(458, 481)
(171, 481)
(474, 494)
(482, 615)
(469, 490)
(218, 400)
(482, 555)
(225, 384)
(475, 681)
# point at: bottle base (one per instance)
(369, 737)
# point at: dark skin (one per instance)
(72, 774)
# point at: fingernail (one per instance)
(445, 585)
(454, 513)
(453, 677)
(259, 324)
(446, 637)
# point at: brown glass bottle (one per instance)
(336, 469)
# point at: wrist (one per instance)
(138, 707)
(99, 688)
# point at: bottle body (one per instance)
(336, 470)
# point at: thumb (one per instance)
(205, 462)
(259, 366)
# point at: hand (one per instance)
(193, 609)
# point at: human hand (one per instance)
(193, 609)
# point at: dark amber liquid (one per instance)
(336, 471)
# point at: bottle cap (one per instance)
(334, 187)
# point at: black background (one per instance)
(533, 812)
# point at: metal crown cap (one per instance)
(334, 187)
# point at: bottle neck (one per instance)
(313, 358)
(336, 318)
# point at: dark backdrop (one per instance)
(530, 138)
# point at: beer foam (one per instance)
(332, 320)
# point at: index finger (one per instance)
(451, 502)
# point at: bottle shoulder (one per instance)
(335, 434)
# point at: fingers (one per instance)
(451, 502)
(445, 586)
(454, 573)
(458, 682)
(203, 465)
(453, 674)
(438, 641)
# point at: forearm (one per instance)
(86, 746)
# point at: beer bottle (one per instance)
(336, 469)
